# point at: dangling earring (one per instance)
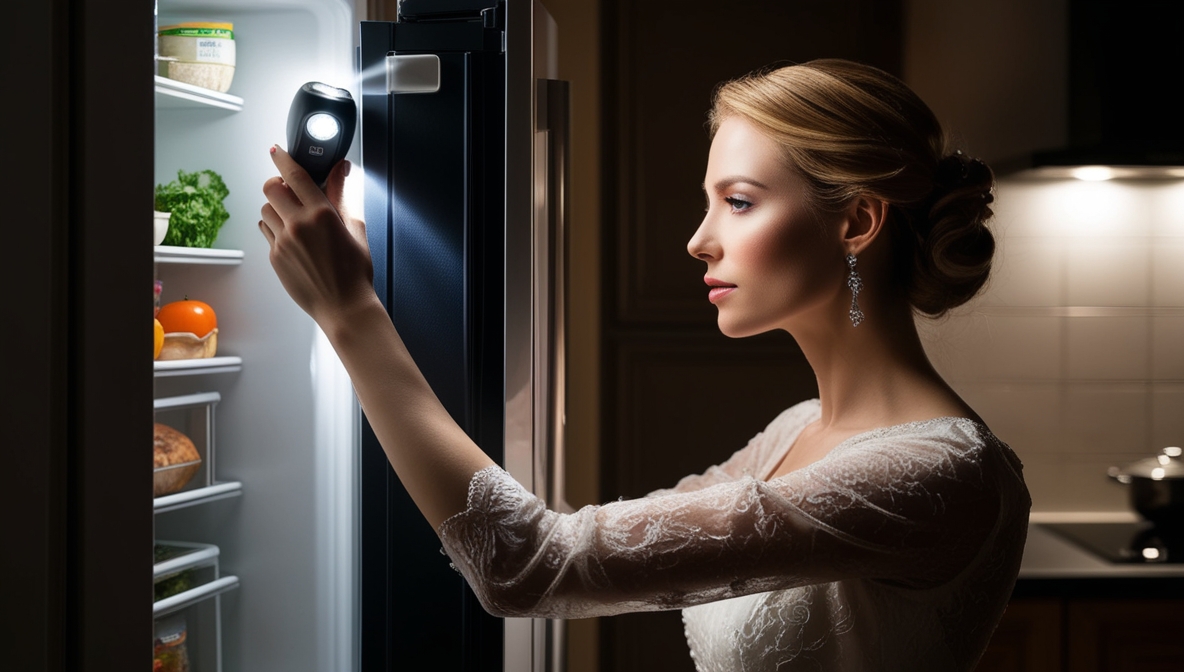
(855, 283)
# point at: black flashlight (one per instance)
(320, 128)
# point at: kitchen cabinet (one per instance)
(1087, 635)
(1027, 639)
(1124, 636)
(1074, 612)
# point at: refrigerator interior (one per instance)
(286, 423)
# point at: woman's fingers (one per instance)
(267, 233)
(296, 178)
(335, 187)
(271, 224)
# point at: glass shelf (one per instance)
(169, 254)
(171, 94)
(196, 367)
(187, 498)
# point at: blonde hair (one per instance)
(852, 130)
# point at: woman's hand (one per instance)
(319, 252)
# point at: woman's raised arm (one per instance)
(323, 261)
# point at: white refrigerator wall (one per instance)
(287, 423)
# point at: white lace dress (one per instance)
(896, 551)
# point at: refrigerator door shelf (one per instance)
(194, 595)
(171, 254)
(197, 367)
(171, 94)
(187, 498)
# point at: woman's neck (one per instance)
(876, 374)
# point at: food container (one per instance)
(201, 54)
(175, 460)
(184, 345)
(160, 223)
(172, 478)
(170, 654)
(1156, 486)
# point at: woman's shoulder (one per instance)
(959, 447)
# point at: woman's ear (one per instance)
(864, 220)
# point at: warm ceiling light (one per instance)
(1093, 173)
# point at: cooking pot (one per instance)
(1157, 486)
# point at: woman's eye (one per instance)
(738, 204)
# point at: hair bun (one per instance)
(954, 259)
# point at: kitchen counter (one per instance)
(1056, 567)
(1050, 556)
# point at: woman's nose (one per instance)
(701, 246)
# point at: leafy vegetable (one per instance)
(169, 586)
(195, 199)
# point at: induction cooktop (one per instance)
(1134, 543)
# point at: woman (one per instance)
(879, 527)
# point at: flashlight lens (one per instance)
(322, 126)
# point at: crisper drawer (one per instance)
(187, 609)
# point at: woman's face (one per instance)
(773, 260)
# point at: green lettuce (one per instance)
(195, 199)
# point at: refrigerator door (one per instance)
(463, 145)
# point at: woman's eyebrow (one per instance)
(726, 182)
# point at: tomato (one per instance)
(194, 317)
(157, 338)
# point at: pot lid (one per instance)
(1168, 465)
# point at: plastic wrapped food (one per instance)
(169, 651)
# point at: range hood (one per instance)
(1125, 68)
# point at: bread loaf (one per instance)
(170, 449)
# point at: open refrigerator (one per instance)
(299, 547)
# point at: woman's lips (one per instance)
(718, 293)
(719, 288)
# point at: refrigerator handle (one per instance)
(553, 119)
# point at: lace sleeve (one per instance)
(913, 513)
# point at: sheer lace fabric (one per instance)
(897, 550)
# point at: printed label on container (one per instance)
(198, 49)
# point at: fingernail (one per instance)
(346, 168)
(273, 148)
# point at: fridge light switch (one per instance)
(412, 73)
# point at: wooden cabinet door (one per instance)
(1125, 636)
(1028, 638)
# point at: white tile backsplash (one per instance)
(1074, 355)
(1167, 272)
(1108, 272)
(1027, 272)
(1075, 483)
(1107, 348)
(1167, 415)
(979, 347)
(1167, 204)
(1107, 419)
(1167, 347)
(1025, 416)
